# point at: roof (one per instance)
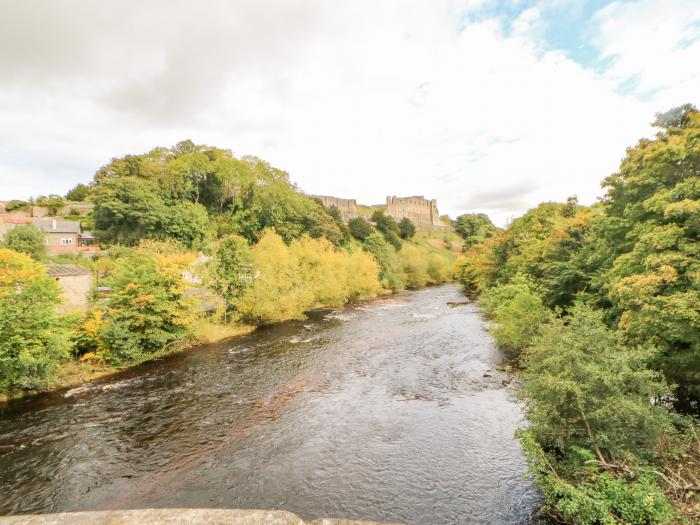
(13, 219)
(66, 270)
(57, 226)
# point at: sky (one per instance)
(485, 106)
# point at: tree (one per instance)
(587, 390)
(385, 223)
(518, 321)
(27, 239)
(130, 209)
(406, 228)
(337, 216)
(54, 203)
(32, 340)
(148, 308)
(388, 227)
(648, 245)
(79, 193)
(232, 270)
(474, 228)
(359, 228)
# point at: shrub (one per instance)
(15, 205)
(518, 321)
(359, 228)
(439, 268)
(406, 228)
(596, 498)
(586, 390)
(415, 266)
(27, 239)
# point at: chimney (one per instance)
(53, 224)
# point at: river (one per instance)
(390, 410)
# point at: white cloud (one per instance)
(358, 99)
(656, 44)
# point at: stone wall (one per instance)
(75, 290)
(421, 211)
(347, 207)
(173, 517)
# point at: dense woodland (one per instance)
(185, 227)
(600, 307)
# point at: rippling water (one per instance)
(392, 410)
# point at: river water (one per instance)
(391, 410)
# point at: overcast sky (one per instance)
(487, 106)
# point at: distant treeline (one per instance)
(600, 306)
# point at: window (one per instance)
(66, 240)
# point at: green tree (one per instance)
(474, 227)
(648, 245)
(129, 209)
(32, 339)
(518, 321)
(359, 228)
(148, 308)
(406, 228)
(586, 390)
(79, 193)
(54, 203)
(27, 239)
(232, 270)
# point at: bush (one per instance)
(415, 266)
(27, 239)
(586, 391)
(440, 268)
(596, 498)
(15, 205)
(32, 338)
(518, 321)
(406, 229)
(359, 228)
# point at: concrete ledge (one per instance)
(173, 517)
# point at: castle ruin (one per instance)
(347, 207)
(421, 211)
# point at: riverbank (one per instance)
(74, 373)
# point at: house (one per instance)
(76, 283)
(8, 222)
(61, 236)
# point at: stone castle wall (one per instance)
(347, 207)
(421, 211)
